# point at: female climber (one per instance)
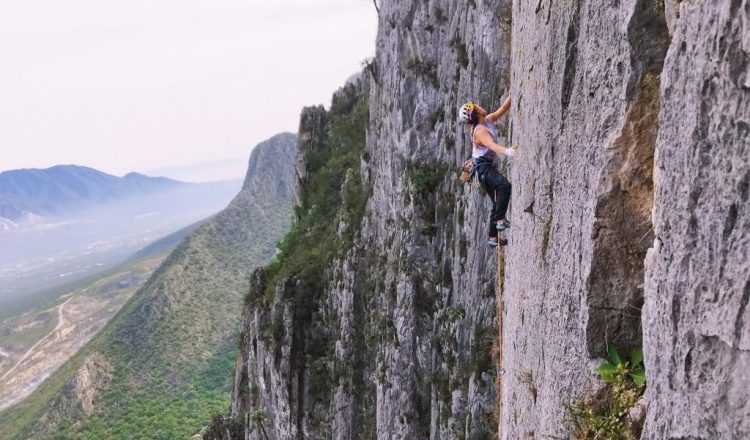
(483, 158)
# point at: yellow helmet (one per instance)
(467, 114)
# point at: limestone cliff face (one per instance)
(585, 84)
(630, 138)
(396, 342)
(696, 318)
(431, 58)
(630, 227)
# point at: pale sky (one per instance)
(141, 84)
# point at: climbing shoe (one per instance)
(492, 242)
(503, 225)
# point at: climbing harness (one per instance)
(474, 167)
(480, 167)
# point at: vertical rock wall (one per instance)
(432, 57)
(696, 319)
(585, 83)
(600, 90)
(398, 344)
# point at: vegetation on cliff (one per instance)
(331, 196)
(331, 199)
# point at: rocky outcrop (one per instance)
(269, 169)
(696, 318)
(241, 235)
(286, 367)
(436, 377)
(76, 399)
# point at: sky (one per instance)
(140, 84)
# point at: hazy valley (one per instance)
(36, 343)
(35, 258)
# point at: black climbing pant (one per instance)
(498, 188)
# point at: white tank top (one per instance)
(480, 150)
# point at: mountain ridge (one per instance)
(61, 189)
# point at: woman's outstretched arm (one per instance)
(503, 109)
(484, 138)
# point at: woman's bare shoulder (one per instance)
(480, 129)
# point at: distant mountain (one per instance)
(204, 172)
(61, 189)
(163, 366)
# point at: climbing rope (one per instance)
(500, 281)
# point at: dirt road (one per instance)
(30, 351)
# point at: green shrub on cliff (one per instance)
(606, 414)
(332, 197)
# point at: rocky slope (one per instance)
(76, 399)
(168, 351)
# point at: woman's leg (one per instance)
(503, 197)
(499, 189)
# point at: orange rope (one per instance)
(499, 350)
(499, 281)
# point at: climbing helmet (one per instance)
(466, 114)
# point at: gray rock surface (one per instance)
(585, 86)
(431, 58)
(696, 320)
(76, 399)
(590, 99)
(409, 311)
